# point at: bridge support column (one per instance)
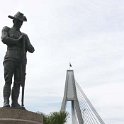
(70, 94)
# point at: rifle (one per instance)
(23, 72)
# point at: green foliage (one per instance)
(55, 118)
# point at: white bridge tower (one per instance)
(83, 111)
(71, 95)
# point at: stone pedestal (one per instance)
(18, 116)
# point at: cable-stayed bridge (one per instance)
(82, 110)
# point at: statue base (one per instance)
(19, 116)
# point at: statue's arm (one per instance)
(29, 46)
(6, 39)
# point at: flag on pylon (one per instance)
(70, 64)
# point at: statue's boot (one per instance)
(15, 95)
(6, 95)
(6, 103)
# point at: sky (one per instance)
(87, 33)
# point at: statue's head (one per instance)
(18, 19)
(18, 16)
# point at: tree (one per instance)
(55, 118)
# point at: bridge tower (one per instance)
(70, 94)
(83, 111)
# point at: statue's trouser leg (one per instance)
(8, 73)
(15, 95)
(16, 87)
(6, 94)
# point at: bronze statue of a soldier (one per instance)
(15, 60)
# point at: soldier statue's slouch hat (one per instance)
(19, 16)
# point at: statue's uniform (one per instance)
(12, 62)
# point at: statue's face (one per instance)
(17, 23)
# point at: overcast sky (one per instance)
(87, 33)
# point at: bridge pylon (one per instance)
(70, 94)
(83, 112)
